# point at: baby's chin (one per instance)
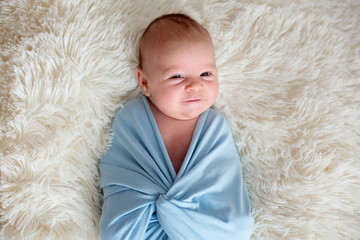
(195, 112)
(190, 115)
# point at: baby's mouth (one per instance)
(193, 100)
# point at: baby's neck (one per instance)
(176, 135)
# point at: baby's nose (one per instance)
(193, 85)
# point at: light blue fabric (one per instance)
(145, 199)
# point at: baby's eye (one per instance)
(205, 74)
(176, 76)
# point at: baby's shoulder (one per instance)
(214, 114)
(131, 113)
(217, 120)
(130, 108)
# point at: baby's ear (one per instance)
(143, 83)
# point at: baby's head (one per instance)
(177, 70)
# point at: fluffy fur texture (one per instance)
(290, 83)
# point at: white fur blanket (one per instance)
(289, 86)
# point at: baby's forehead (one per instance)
(163, 45)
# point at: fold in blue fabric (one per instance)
(144, 198)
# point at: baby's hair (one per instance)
(179, 26)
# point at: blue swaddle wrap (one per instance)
(145, 199)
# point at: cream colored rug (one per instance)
(290, 87)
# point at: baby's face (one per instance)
(180, 78)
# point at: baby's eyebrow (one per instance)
(170, 68)
(204, 68)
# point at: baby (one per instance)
(177, 73)
(172, 171)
